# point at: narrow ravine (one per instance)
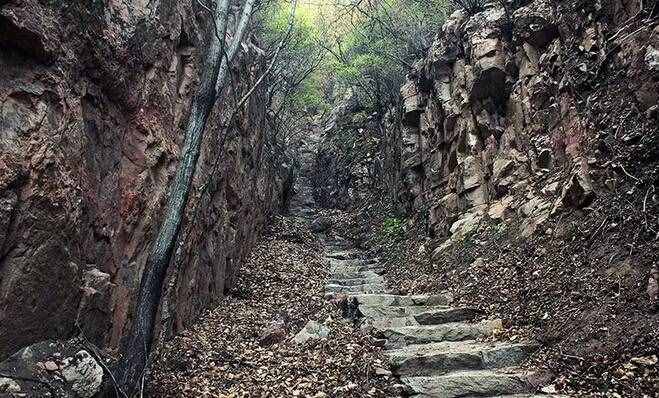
(400, 198)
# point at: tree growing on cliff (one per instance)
(212, 82)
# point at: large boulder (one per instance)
(63, 368)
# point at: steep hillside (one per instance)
(520, 171)
(92, 100)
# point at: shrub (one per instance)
(471, 7)
(393, 227)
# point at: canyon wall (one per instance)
(530, 93)
(93, 98)
(518, 94)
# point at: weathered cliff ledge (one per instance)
(92, 98)
(514, 95)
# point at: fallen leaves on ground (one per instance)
(243, 347)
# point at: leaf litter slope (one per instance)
(227, 353)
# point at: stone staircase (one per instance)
(436, 350)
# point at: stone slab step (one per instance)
(396, 312)
(343, 269)
(355, 275)
(370, 288)
(382, 323)
(421, 315)
(356, 281)
(345, 263)
(445, 357)
(475, 383)
(459, 331)
(344, 254)
(386, 300)
(528, 396)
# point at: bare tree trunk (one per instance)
(213, 76)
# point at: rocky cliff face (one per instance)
(518, 94)
(512, 94)
(92, 98)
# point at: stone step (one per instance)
(370, 288)
(355, 275)
(345, 263)
(459, 331)
(387, 300)
(342, 269)
(344, 254)
(445, 357)
(356, 281)
(528, 396)
(421, 315)
(473, 383)
(375, 312)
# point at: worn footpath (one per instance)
(435, 348)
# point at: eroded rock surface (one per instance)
(52, 368)
(504, 100)
(93, 96)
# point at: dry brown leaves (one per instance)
(282, 284)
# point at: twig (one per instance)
(629, 175)
(571, 356)
(645, 214)
(598, 228)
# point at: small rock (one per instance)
(478, 263)
(652, 59)
(9, 386)
(311, 331)
(50, 366)
(551, 389)
(84, 374)
(382, 372)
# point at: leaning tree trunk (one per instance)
(212, 81)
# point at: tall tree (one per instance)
(212, 81)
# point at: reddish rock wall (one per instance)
(93, 96)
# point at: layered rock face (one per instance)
(93, 96)
(513, 94)
(347, 169)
